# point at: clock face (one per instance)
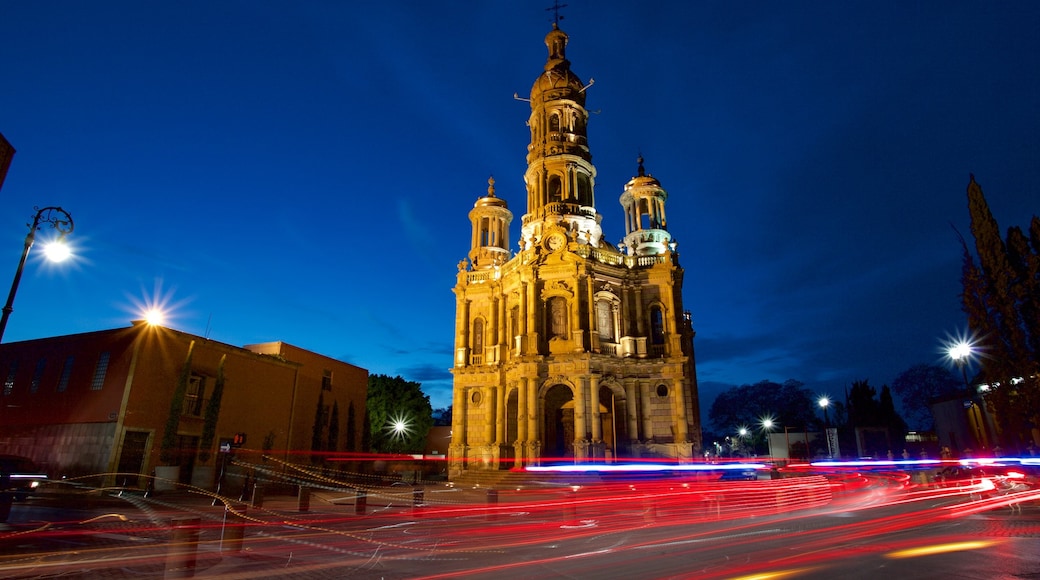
(555, 242)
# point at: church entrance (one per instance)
(559, 423)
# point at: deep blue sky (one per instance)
(302, 171)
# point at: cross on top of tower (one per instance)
(556, 11)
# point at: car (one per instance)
(19, 476)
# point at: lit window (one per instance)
(35, 384)
(99, 372)
(66, 372)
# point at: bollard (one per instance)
(258, 496)
(180, 559)
(360, 499)
(231, 535)
(492, 504)
(417, 497)
(570, 506)
(304, 502)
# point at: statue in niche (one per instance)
(558, 312)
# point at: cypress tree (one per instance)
(351, 443)
(1000, 298)
(209, 421)
(334, 427)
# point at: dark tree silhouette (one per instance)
(917, 386)
(400, 414)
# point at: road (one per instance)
(809, 527)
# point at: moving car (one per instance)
(19, 476)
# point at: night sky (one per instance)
(302, 171)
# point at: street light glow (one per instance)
(57, 251)
(824, 402)
(960, 351)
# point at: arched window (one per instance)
(554, 122)
(555, 189)
(656, 326)
(584, 189)
(478, 336)
(605, 320)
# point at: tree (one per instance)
(351, 443)
(1002, 302)
(209, 421)
(788, 405)
(321, 414)
(864, 410)
(890, 419)
(917, 386)
(400, 415)
(334, 427)
(442, 416)
(166, 450)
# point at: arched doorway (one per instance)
(558, 423)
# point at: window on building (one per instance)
(193, 396)
(656, 326)
(326, 380)
(605, 320)
(66, 372)
(35, 384)
(478, 336)
(99, 372)
(9, 381)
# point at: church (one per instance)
(570, 349)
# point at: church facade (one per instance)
(571, 349)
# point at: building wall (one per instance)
(270, 394)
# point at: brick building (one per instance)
(99, 402)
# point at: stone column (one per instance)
(648, 421)
(597, 423)
(633, 411)
(640, 325)
(533, 435)
(580, 427)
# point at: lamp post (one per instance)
(960, 353)
(60, 220)
(825, 402)
(767, 428)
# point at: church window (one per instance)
(555, 189)
(656, 326)
(35, 384)
(584, 189)
(478, 337)
(662, 391)
(326, 380)
(9, 383)
(554, 122)
(605, 320)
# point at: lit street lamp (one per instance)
(825, 402)
(960, 353)
(60, 220)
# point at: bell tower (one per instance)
(560, 176)
(571, 349)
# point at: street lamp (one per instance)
(960, 353)
(825, 402)
(60, 220)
